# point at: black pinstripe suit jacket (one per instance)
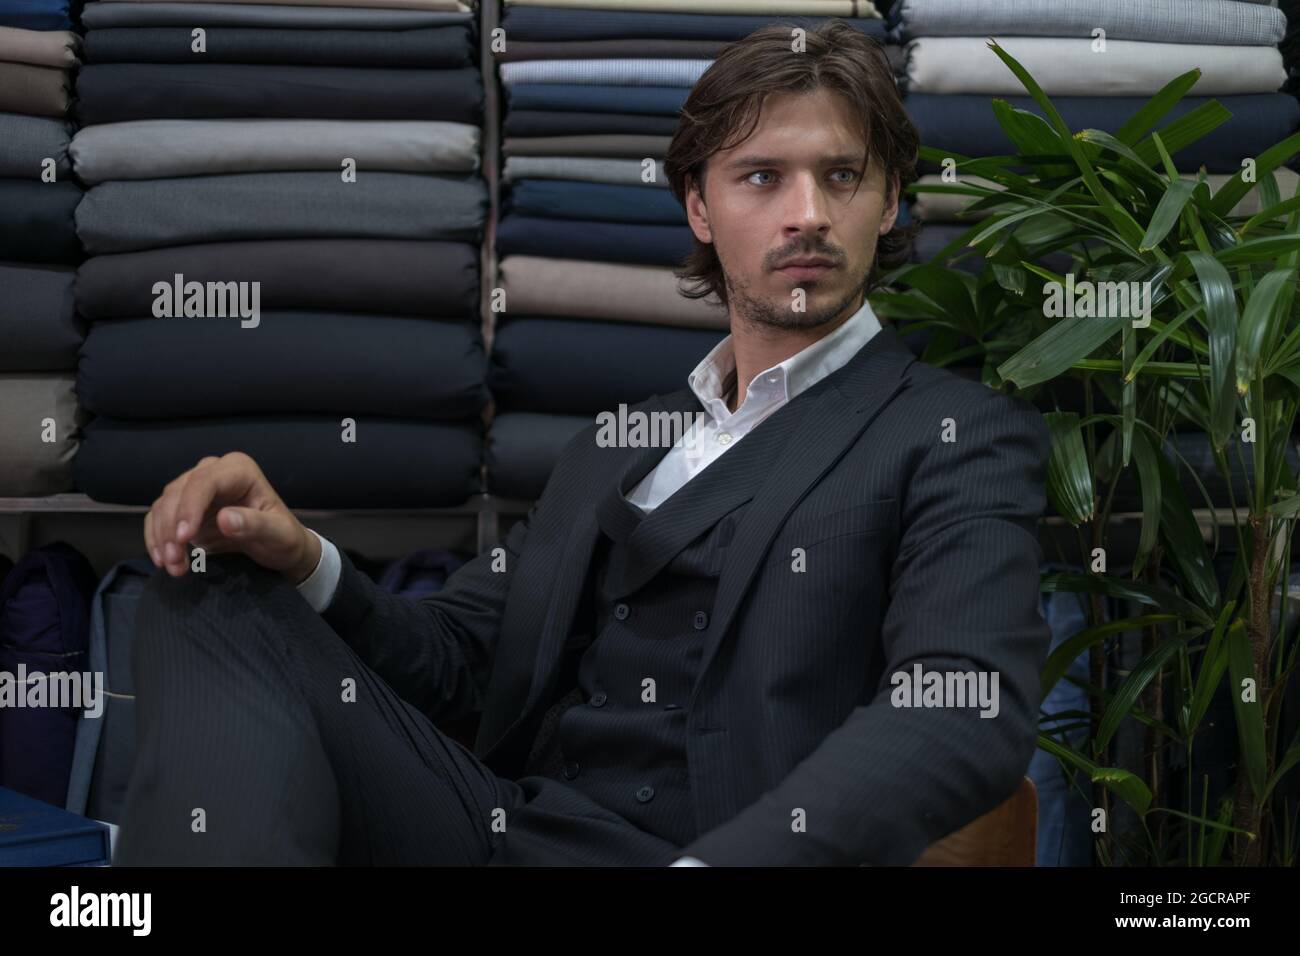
(915, 549)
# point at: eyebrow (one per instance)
(843, 159)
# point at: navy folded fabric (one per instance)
(36, 221)
(571, 199)
(290, 362)
(639, 243)
(544, 365)
(98, 16)
(573, 123)
(27, 141)
(542, 23)
(36, 14)
(522, 449)
(112, 92)
(435, 48)
(396, 277)
(38, 324)
(652, 100)
(152, 213)
(392, 463)
(966, 124)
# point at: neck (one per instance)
(758, 347)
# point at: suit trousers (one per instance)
(262, 738)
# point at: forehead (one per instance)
(802, 123)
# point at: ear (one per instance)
(696, 212)
(890, 211)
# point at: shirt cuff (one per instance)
(688, 861)
(320, 585)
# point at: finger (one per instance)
(215, 483)
(165, 524)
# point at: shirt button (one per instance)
(701, 620)
(772, 379)
(621, 611)
(645, 794)
(598, 699)
(570, 769)
(724, 438)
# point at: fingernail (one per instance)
(157, 558)
(237, 521)
(183, 531)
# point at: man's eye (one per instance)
(851, 175)
(760, 172)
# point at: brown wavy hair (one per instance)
(723, 109)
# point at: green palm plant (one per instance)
(1215, 347)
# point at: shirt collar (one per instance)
(714, 377)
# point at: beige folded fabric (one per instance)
(947, 207)
(38, 47)
(29, 402)
(755, 8)
(34, 90)
(453, 5)
(602, 290)
(1070, 67)
(614, 145)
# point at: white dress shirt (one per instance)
(708, 439)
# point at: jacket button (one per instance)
(621, 611)
(701, 620)
(570, 770)
(598, 699)
(645, 794)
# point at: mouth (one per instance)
(806, 268)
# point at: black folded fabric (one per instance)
(397, 277)
(27, 141)
(571, 123)
(543, 23)
(434, 48)
(606, 202)
(39, 330)
(113, 92)
(966, 124)
(522, 449)
(639, 243)
(36, 221)
(392, 463)
(567, 366)
(291, 362)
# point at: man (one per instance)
(712, 653)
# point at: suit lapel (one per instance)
(834, 414)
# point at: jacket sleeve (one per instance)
(963, 596)
(437, 651)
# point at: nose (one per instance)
(807, 205)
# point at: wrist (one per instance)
(310, 560)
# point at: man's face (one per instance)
(782, 214)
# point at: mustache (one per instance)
(833, 253)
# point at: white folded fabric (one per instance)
(801, 8)
(454, 5)
(163, 149)
(603, 290)
(1070, 67)
(948, 207)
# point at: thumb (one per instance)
(238, 522)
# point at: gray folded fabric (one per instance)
(38, 323)
(614, 49)
(148, 214)
(609, 72)
(33, 90)
(32, 405)
(1070, 67)
(27, 141)
(615, 145)
(625, 172)
(1161, 21)
(603, 290)
(57, 48)
(178, 13)
(159, 149)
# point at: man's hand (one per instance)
(226, 504)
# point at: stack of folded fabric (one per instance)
(591, 232)
(39, 251)
(951, 75)
(283, 213)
